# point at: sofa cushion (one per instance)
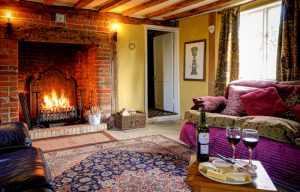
(214, 104)
(284, 90)
(279, 129)
(251, 83)
(212, 119)
(14, 135)
(24, 170)
(264, 102)
(234, 104)
(296, 112)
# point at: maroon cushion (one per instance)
(284, 90)
(296, 112)
(264, 102)
(234, 104)
(214, 104)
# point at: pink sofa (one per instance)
(274, 112)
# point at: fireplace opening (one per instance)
(58, 81)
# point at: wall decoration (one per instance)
(194, 60)
(60, 18)
(131, 46)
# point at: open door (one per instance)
(163, 46)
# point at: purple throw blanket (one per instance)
(281, 161)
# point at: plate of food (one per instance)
(224, 172)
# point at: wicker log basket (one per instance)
(131, 121)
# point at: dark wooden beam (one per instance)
(171, 8)
(82, 3)
(111, 5)
(215, 6)
(48, 2)
(142, 6)
(38, 8)
(211, 55)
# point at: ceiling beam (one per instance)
(82, 3)
(38, 8)
(171, 8)
(111, 5)
(142, 6)
(48, 2)
(215, 6)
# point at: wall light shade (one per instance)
(8, 16)
(9, 29)
(114, 29)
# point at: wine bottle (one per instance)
(202, 138)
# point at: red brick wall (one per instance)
(9, 80)
(93, 73)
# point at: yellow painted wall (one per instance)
(131, 67)
(131, 63)
(191, 29)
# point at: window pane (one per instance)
(258, 42)
(273, 19)
(251, 45)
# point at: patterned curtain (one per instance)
(228, 59)
(288, 66)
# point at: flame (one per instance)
(52, 101)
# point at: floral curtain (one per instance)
(228, 59)
(288, 66)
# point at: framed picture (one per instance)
(194, 60)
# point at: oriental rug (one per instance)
(152, 163)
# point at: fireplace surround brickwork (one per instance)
(93, 56)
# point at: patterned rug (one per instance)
(158, 113)
(153, 163)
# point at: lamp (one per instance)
(9, 29)
(114, 29)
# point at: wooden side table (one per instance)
(200, 183)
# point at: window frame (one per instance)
(265, 37)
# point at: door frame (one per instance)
(175, 31)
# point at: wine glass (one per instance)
(233, 135)
(250, 139)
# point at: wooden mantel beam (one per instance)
(48, 2)
(111, 5)
(171, 8)
(82, 3)
(215, 6)
(142, 6)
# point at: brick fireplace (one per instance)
(81, 49)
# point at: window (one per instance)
(258, 38)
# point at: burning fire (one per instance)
(52, 102)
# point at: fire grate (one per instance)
(60, 114)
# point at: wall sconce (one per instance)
(211, 29)
(114, 29)
(9, 29)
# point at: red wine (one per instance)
(234, 140)
(202, 147)
(250, 142)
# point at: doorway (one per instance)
(162, 86)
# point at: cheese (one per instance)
(207, 166)
(221, 164)
(216, 175)
(242, 177)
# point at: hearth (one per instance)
(59, 82)
(53, 98)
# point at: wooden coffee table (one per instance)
(200, 183)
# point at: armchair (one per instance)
(22, 167)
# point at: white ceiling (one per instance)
(96, 5)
